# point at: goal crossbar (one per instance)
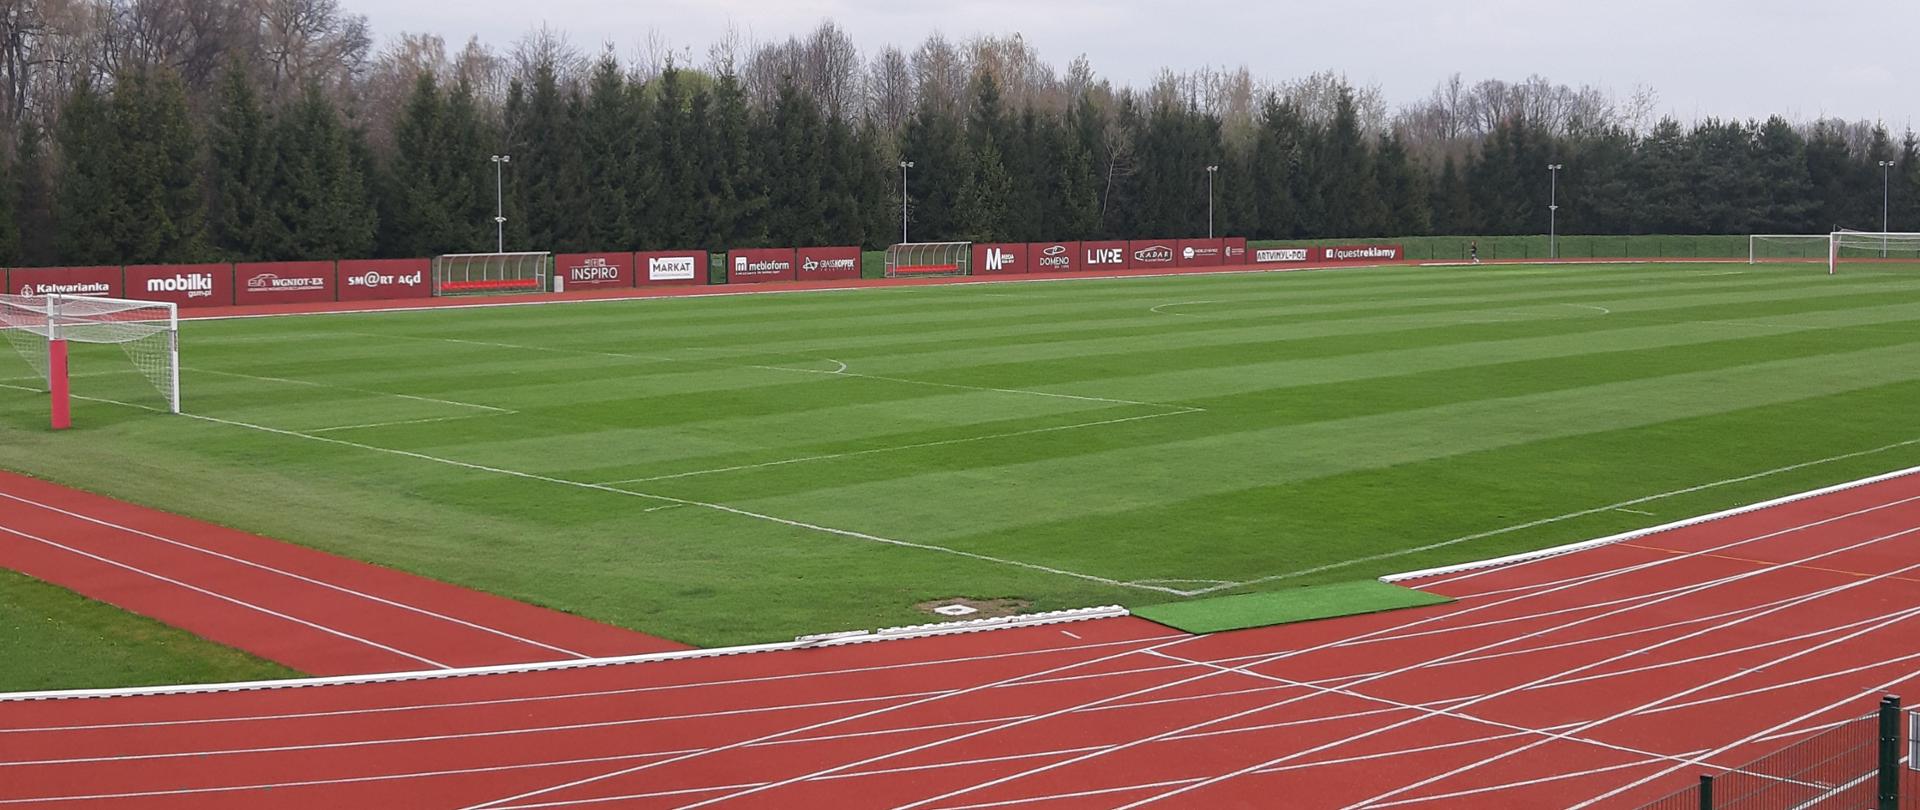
(39, 327)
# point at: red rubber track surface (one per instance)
(1608, 675)
(309, 610)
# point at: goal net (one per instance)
(930, 259)
(44, 329)
(490, 273)
(1787, 247)
(1871, 247)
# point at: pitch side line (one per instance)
(895, 449)
(313, 384)
(223, 597)
(1428, 664)
(291, 575)
(798, 524)
(1594, 511)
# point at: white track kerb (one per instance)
(911, 631)
(801, 643)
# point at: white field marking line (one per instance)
(823, 724)
(895, 449)
(1428, 664)
(312, 384)
(1430, 711)
(1540, 780)
(1656, 563)
(764, 679)
(1646, 707)
(1582, 513)
(1726, 273)
(664, 508)
(381, 600)
(1877, 689)
(1162, 309)
(1641, 512)
(847, 533)
(1600, 309)
(222, 597)
(720, 364)
(371, 425)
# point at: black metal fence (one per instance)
(1861, 764)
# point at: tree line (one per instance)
(282, 136)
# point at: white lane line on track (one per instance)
(1558, 777)
(1645, 707)
(815, 726)
(797, 524)
(1708, 585)
(381, 600)
(1532, 524)
(896, 449)
(1877, 689)
(1618, 572)
(223, 597)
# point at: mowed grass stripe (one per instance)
(1343, 410)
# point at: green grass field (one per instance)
(727, 470)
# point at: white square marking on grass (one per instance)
(956, 610)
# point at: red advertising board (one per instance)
(99, 281)
(189, 285)
(593, 271)
(1096, 256)
(1201, 252)
(284, 282)
(670, 267)
(1152, 253)
(828, 263)
(995, 259)
(760, 266)
(1235, 251)
(1051, 257)
(1355, 254)
(382, 279)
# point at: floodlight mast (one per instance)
(904, 166)
(1553, 210)
(1211, 171)
(1886, 184)
(499, 203)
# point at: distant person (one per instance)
(1473, 251)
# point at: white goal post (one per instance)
(915, 259)
(39, 327)
(491, 273)
(1871, 246)
(1766, 247)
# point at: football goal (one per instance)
(916, 259)
(52, 332)
(1871, 247)
(491, 273)
(1787, 247)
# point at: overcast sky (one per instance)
(1730, 58)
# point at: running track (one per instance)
(312, 611)
(1606, 675)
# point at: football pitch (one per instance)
(746, 468)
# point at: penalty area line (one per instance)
(668, 499)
